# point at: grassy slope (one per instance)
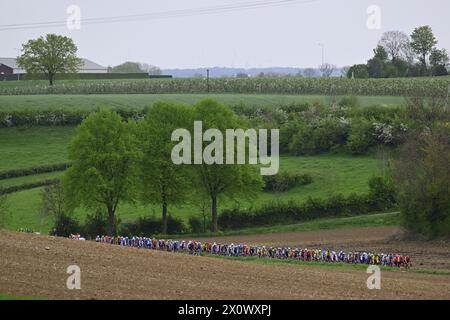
(363, 221)
(27, 147)
(331, 174)
(139, 101)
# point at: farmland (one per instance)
(140, 101)
(334, 172)
(36, 266)
(288, 85)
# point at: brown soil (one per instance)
(36, 266)
(424, 254)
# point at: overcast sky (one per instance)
(285, 35)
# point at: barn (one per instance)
(11, 64)
(5, 70)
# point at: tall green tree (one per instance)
(223, 180)
(439, 61)
(104, 172)
(422, 170)
(422, 42)
(377, 65)
(50, 55)
(164, 183)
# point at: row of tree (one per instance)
(116, 161)
(400, 55)
(54, 54)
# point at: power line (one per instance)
(162, 15)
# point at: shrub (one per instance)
(33, 171)
(150, 225)
(360, 137)
(382, 192)
(65, 225)
(349, 102)
(284, 181)
(96, 224)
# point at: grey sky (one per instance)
(275, 36)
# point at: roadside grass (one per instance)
(344, 266)
(140, 101)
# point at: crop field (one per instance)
(140, 101)
(36, 266)
(289, 85)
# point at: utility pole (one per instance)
(207, 79)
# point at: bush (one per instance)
(349, 102)
(33, 171)
(382, 193)
(284, 181)
(360, 137)
(96, 224)
(65, 225)
(150, 225)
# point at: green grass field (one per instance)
(27, 147)
(331, 173)
(140, 101)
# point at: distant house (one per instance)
(5, 70)
(8, 64)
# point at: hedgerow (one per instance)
(28, 186)
(16, 173)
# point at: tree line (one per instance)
(400, 55)
(116, 161)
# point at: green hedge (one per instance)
(292, 212)
(28, 186)
(429, 87)
(33, 171)
(284, 181)
(56, 117)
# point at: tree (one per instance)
(358, 71)
(395, 43)
(151, 70)
(104, 169)
(439, 61)
(422, 169)
(423, 177)
(164, 183)
(327, 69)
(422, 42)
(309, 72)
(52, 203)
(380, 53)
(377, 65)
(223, 180)
(50, 55)
(128, 67)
